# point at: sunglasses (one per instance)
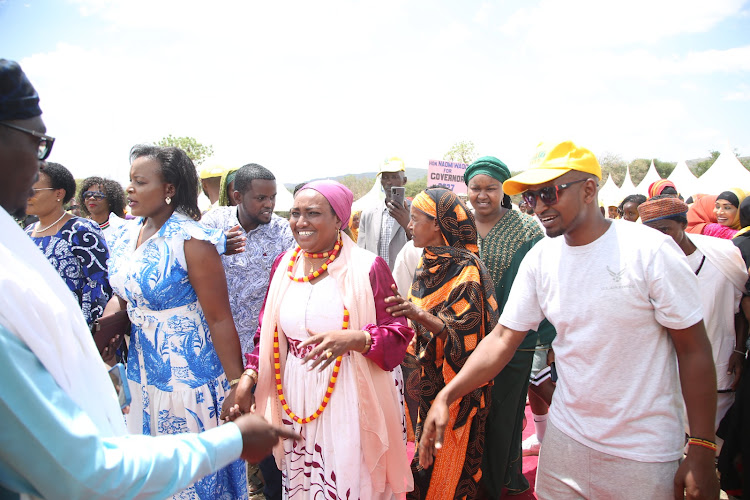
(45, 141)
(97, 195)
(549, 195)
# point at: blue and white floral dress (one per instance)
(175, 376)
(79, 253)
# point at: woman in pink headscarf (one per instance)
(327, 348)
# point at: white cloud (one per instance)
(742, 93)
(561, 26)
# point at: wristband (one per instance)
(739, 352)
(368, 342)
(234, 382)
(702, 442)
(252, 374)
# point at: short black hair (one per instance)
(634, 198)
(248, 173)
(113, 190)
(61, 178)
(177, 169)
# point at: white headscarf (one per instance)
(37, 306)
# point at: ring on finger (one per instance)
(327, 353)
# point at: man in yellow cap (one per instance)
(383, 229)
(210, 180)
(619, 297)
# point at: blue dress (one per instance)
(79, 253)
(175, 376)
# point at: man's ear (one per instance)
(237, 197)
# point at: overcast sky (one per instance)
(314, 88)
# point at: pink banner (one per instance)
(447, 174)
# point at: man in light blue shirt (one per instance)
(62, 435)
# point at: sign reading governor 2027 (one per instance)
(447, 174)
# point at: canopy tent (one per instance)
(627, 187)
(651, 176)
(726, 172)
(284, 199)
(609, 193)
(373, 197)
(684, 180)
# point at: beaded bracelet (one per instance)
(702, 442)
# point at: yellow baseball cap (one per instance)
(549, 162)
(394, 164)
(212, 171)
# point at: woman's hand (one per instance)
(433, 431)
(240, 399)
(401, 306)
(332, 344)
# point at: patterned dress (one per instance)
(175, 376)
(79, 254)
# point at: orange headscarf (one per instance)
(701, 213)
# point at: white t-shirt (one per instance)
(618, 390)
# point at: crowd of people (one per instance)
(321, 346)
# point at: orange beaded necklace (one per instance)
(321, 270)
(277, 355)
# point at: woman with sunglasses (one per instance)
(505, 236)
(452, 307)
(75, 246)
(103, 201)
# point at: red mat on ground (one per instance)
(529, 463)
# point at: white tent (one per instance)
(284, 199)
(374, 196)
(609, 193)
(726, 172)
(651, 176)
(627, 187)
(684, 180)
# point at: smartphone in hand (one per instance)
(117, 374)
(397, 195)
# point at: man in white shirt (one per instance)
(619, 297)
(383, 229)
(63, 435)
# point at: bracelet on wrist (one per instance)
(705, 443)
(739, 352)
(234, 382)
(368, 342)
(252, 374)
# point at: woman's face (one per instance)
(355, 221)
(485, 194)
(425, 231)
(95, 199)
(726, 213)
(630, 211)
(314, 225)
(45, 200)
(147, 191)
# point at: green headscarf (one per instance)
(487, 165)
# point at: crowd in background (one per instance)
(359, 333)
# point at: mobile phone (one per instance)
(117, 374)
(397, 195)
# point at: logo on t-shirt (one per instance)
(616, 276)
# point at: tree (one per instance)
(359, 186)
(612, 164)
(412, 188)
(664, 168)
(701, 167)
(638, 169)
(462, 152)
(194, 149)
